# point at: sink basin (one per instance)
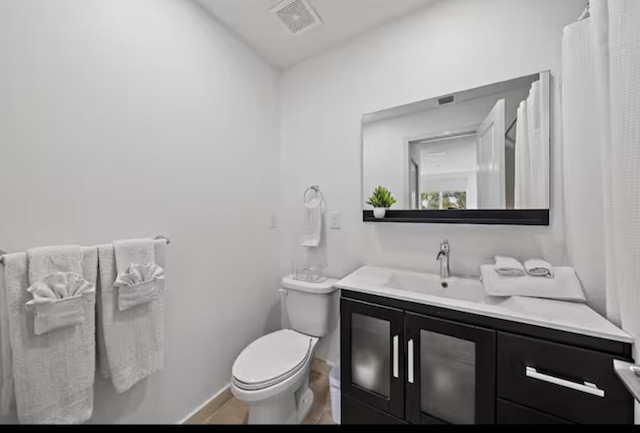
(467, 295)
(463, 289)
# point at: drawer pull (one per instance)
(410, 361)
(395, 356)
(587, 387)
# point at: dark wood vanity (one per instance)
(405, 362)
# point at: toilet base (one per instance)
(285, 409)
(304, 404)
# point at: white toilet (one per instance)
(271, 374)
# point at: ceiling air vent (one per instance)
(296, 15)
(447, 100)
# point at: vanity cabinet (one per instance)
(404, 362)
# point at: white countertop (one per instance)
(560, 315)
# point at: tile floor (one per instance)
(236, 412)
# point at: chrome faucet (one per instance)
(443, 258)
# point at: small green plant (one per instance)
(381, 198)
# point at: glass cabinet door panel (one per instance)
(447, 377)
(370, 354)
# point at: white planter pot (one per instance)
(379, 212)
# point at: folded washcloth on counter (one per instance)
(564, 287)
(538, 268)
(509, 267)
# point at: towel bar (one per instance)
(167, 240)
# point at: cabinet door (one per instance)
(450, 372)
(371, 355)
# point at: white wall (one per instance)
(452, 45)
(132, 118)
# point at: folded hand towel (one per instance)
(54, 372)
(57, 301)
(565, 286)
(312, 223)
(131, 341)
(138, 285)
(538, 268)
(47, 260)
(509, 267)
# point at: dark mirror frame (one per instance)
(519, 217)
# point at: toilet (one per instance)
(271, 374)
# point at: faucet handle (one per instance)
(444, 246)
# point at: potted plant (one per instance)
(381, 200)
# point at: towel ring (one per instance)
(314, 188)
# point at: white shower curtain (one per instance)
(582, 163)
(532, 149)
(522, 187)
(601, 58)
(616, 42)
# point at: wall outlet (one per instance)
(274, 220)
(336, 220)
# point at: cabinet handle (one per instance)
(395, 356)
(410, 361)
(589, 388)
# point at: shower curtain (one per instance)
(601, 91)
(582, 163)
(616, 42)
(532, 149)
(605, 52)
(601, 57)
(522, 194)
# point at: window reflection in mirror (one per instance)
(486, 148)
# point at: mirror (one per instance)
(479, 155)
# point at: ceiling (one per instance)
(342, 20)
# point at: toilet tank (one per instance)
(309, 305)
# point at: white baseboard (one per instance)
(221, 395)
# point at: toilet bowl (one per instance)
(271, 374)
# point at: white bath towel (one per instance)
(539, 268)
(131, 342)
(6, 364)
(53, 373)
(509, 267)
(565, 286)
(312, 223)
(47, 260)
(133, 251)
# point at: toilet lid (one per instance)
(271, 359)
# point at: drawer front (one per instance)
(354, 412)
(571, 383)
(511, 413)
